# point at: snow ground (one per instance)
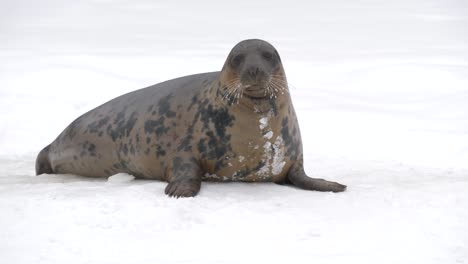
(380, 88)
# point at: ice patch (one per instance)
(268, 135)
(263, 122)
(120, 178)
(278, 158)
(213, 176)
(274, 158)
(264, 171)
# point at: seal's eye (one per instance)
(237, 60)
(267, 55)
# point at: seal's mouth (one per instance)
(235, 89)
(255, 91)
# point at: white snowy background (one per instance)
(381, 93)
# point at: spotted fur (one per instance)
(234, 125)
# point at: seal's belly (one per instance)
(254, 161)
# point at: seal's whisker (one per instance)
(270, 89)
(282, 80)
(233, 95)
(232, 83)
(278, 89)
(239, 94)
(279, 80)
(281, 90)
(274, 84)
(280, 86)
(231, 88)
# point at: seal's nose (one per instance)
(253, 71)
(254, 74)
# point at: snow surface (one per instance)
(380, 89)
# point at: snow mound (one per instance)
(120, 178)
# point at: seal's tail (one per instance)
(43, 162)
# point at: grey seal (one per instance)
(237, 124)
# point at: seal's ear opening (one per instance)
(276, 52)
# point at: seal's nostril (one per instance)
(253, 71)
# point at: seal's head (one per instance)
(253, 69)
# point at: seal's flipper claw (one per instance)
(183, 188)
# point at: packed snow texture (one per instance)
(380, 89)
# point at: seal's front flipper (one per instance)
(299, 178)
(184, 178)
(183, 188)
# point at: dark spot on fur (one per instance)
(186, 143)
(194, 101)
(164, 107)
(247, 171)
(156, 126)
(160, 151)
(85, 148)
(219, 117)
(161, 130)
(121, 127)
(92, 150)
(202, 147)
(96, 126)
(121, 166)
(214, 122)
(291, 143)
(150, 108)
(217, 148)
(124, 149)
(273, 105)
(148, 140)
(183, 169)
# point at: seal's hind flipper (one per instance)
(43, 163)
